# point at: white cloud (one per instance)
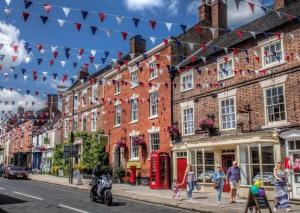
(141, 5)
(19, 100)
(9, 34)
(192, 7)
(58, 82)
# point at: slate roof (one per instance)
(266, 23)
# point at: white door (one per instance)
(295, 177)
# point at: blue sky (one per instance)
(13, 28)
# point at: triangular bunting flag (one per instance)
(253, 34)
(119, 19)
(44, 19)
(51, 62)
(91, 58)
(102, 16)
(47, 7)
(84, 14)
(53, 49)
(237, 3)
(183, 27)
(191, 45)
(93, 52)
(136, 21)
(79, 57)
(55, 54)
(63, 63)
(213, 31)
(2, 57)
(23, 71)
(27, 60)
(132, 55)
(27, 4)
(251, 5)
(94, 29)
(66, 11)
(97, 66)
(25, 16)
(106, 53)
(153, 39)
(7, 2)
(67, 52)
(103, 60)
(124, 35)
(61, 22)
(14, 58)
(108, 33)
(75, 64)
(169, 26)
(80, 51)
(239, 34)
(39, 61)
(152, 24)
(78, 26)
(7, 11)
(264, 9)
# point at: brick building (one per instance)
(239, 98)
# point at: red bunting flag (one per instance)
(64, 78)
(251, 5)
(156, 56)
(15, 47)
(102, 16)
(239, 34)
(51, 62)
(120, 55)
(152, 24)
(124, 35)
(78, 26)
(166, 42)
(40, 47)
(47, 7)
(278, 35)
(91, 58)
(80, 51)
(55, 54)
(198, 29)
(14, 58)
(25, 16)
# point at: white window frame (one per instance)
(84, 115)
(118, 115)
(94, 93)
(221, 62)
(152, 115)
(131, 110)
(151, 141)
(132, 155)
(94, 120)
(134, 84)
(154, 73)
(67, 104)
(66, 127)
(220, 113)
(84, 94)
(75, 100)
(184, 75)
(267, 123)
(183, 123)
(75, 121)
(269, 43)
(118, 88)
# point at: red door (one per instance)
(226, 164)
(181, 168)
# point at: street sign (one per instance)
(67, 151)
(103, 139)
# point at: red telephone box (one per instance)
(159, 170)
(132, 177)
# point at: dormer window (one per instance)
(225, 69)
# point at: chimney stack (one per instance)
(278, 4)
(213, 13)
(137, 45)
(52, 102)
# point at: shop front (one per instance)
(256, 154)
(292, 160)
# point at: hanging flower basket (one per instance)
(138, 141)
(207, 124)
(121, 143)
(173, 130)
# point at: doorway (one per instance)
(226, 164)
(181, 168)
(295, 176)
(117, 158)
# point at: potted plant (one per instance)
(121, 143)
(120, 174)
(208, 125)
(138, 141)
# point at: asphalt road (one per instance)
(27, 196)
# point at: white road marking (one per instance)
(1, 188)
(71, 208)
(26, 195)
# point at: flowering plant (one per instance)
(173, 130)
(207, 124)
(138, 141)
(121, 143)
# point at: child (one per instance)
(175, 188)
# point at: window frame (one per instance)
(184, 75)
(118, 114)
(66, 132)
(83, 97)
(118, 88)
(136, 156)
(67, 104)
(267, 123)
(221, 115)
(134, 84)
(151, 141)
(75, 100)
(155, 70)
(94, 120)
(75, 121)
(84, 115)
(94, 96)
(183, 123)
(151, 115)
(222, 61)
(131, 110)
(269, 43)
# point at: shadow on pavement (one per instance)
(5, 200)
(118, 204)
(3, 211)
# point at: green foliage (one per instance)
(57, 159)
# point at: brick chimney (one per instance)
(137, 45)
(52, 102)
(83, 73)
(278, 4)
(213, 13)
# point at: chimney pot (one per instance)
(137, 45)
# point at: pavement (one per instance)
(39, 197)
(202, 202)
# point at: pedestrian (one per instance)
(175, 187)
(218, 179)
(189, 176)
(234, 177)
(281, 189)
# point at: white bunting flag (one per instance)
(8, 2)
(203, 59)
(191, 45)
(66, 11)
(169, 26)
(93, 52)
(108, 33)
(53, 49)
(79, 57)
(61, 22)
(253, 34)
(279, 14)
(213, 31)
(169, 58)
(153, 39)
(292, 36)
(25, 77)
(119, 19)
(7, 11)
(45, 74)
(97, 66)
(27, 60)
(63, 63)
(132, 55)
(42, 51)
(225, 50)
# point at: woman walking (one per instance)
(190, 180)
(281, 191)
(218, 179)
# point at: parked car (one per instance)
(268, 178)
(15, 172)
(207, 176)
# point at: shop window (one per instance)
(203, 170)
(252, 169)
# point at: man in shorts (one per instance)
(234, 177)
